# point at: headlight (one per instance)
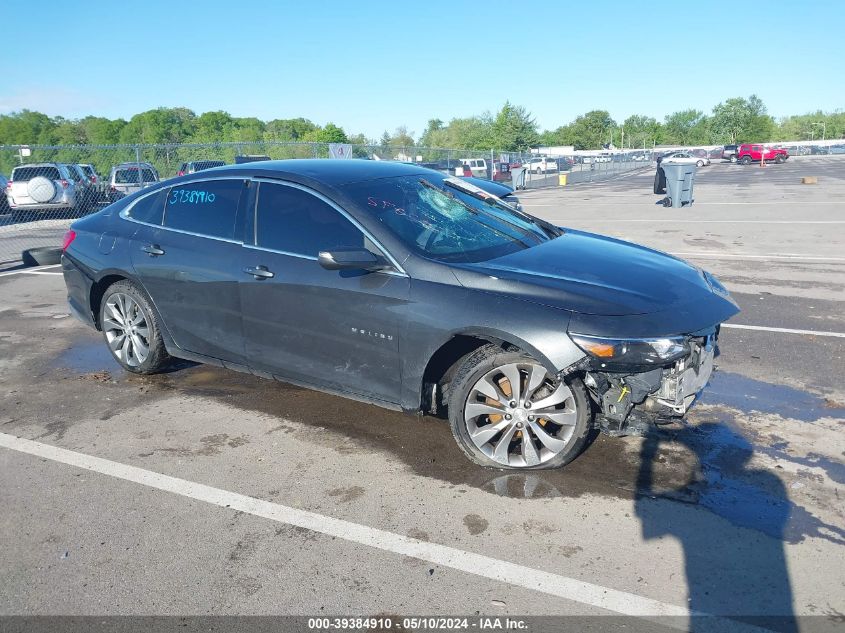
(633, 351)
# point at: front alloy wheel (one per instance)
(512, 413)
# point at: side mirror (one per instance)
(350, 259)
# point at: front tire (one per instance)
(507, 411)
(700, 163)
(131, 329)
(733, 158)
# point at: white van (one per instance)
(478, 167)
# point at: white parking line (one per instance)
(786, 256)
(783, 330)
(30, 271)
(476, 564)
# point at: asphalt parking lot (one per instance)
(206, 492)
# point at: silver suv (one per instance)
(128, 178)
(42, 187)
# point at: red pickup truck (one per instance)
(754, 152)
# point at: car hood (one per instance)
(593, 275)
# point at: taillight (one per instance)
(70, 235)
(64, 184)
(9, 185)
(112, 188)
(181, 173)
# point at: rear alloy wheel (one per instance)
(507, 411)
(733, 158)
(131, 329)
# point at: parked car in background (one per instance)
(86, 191)
(406, 288)
(4, 201)
(43, 187)
(250, 158)
(685, 158)
(755, 152)
(541, 165)
(92, 174)
(127, 178)
(729, 152)
(477, 166)
(193, 166)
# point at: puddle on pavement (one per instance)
(703, 464)
(87, 356)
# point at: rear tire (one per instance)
(555, 432)
(733, 158)
(746, 160)
(131, 329)
(700, 163)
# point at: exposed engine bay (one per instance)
(628, 401)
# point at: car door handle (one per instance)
(153, 250)
(259, 272)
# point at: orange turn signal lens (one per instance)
(602, 350)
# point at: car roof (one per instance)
(329, 171)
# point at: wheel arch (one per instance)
(98, 289)
(444, 361)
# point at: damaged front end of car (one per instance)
(638, 382)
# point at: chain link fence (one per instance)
(47, 187)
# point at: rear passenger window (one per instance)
(208, 208)
(149, 209)
(294, 221)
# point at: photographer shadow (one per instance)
(731, 528)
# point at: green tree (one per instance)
(400, 138)
(288, 129)
(513, 129)
(592, 130)
(101, 131)
(739, 120)
(687, 127)
(162, 125)
(564, 135)
(328, 134)
(24, 127)
(430, 136)
(641, 131)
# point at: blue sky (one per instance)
(372, 65)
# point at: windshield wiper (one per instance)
(451, 196)
(549, 230)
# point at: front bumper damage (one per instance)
(629, 401)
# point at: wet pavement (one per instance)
(737, 510)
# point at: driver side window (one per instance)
(294, 221)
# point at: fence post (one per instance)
(138, 165)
